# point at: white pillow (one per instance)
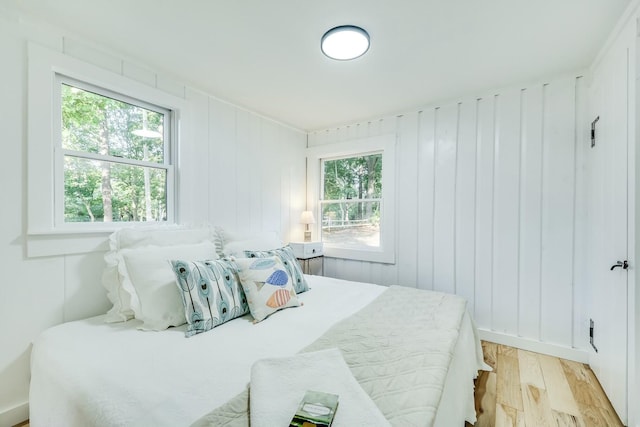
(236, 243)
(135, 237)
(159, 303)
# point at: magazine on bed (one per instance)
(316, 409)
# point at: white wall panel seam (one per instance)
(475, 207)
(496, 130)
(235, 151)
(520, 195)
(455, 199)
(433, 200)
(626, 255)
(208, 158)
(542, 181)
(418, 174)
(575, 201)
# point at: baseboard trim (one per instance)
(16, 415)
(536, 346)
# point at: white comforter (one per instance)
(88, 373)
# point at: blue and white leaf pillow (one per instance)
(211, 293)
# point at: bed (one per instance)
(92, 373)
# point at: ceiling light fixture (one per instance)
(345, 42)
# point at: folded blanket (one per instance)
(278, 385)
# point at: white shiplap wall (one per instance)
(237, 169)
(486, 207)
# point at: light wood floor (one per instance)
(534, 390)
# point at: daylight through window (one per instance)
(351, 200)
(114, 157)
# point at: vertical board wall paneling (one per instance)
(387, 127)
(426, 195)
(407, 193)
(530, 212)
(288, 211)
(557, 212)
(466, 203)
(222, 164)
(297, 196)
(84, 295)
(252, 167)
(446, 146)
(194, 155)
(506, 227)
(484, 212)
(245, 168)
(495, 182)
(580, 337)
(270, 178)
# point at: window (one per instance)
(113, 162)
(351, 189)
(101, 152)
(351, 200)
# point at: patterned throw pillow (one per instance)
(267, 285)
(211, 293)
(290, 264)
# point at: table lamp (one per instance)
(307, 218)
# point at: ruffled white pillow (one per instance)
(115, 272)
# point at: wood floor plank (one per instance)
(583, 384)
(537, 409)
(485, 397)
(567, 420)
(505, 350)
(508, 381)
(490, 351)
(530, 372)
(560, 394)
(599, 417)
(553, 392)
(508, 417)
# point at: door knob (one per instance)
(624, 264)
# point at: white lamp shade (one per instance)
(307, 218)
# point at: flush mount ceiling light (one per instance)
(345, 42)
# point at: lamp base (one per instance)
(307, 236)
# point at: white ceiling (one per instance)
(265, 55)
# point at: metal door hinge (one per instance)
(591, 327)
(593, 131)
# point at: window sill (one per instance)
(377, 256)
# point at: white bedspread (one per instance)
(88, 373)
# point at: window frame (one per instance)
(46, 236)
(60, 153)
(384, 144)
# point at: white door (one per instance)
(607, 193)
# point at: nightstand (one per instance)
(308, 252)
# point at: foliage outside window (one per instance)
(114, 156)
(351, 200)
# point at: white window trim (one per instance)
(385, 144)
(43, 67)
(60, 153)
